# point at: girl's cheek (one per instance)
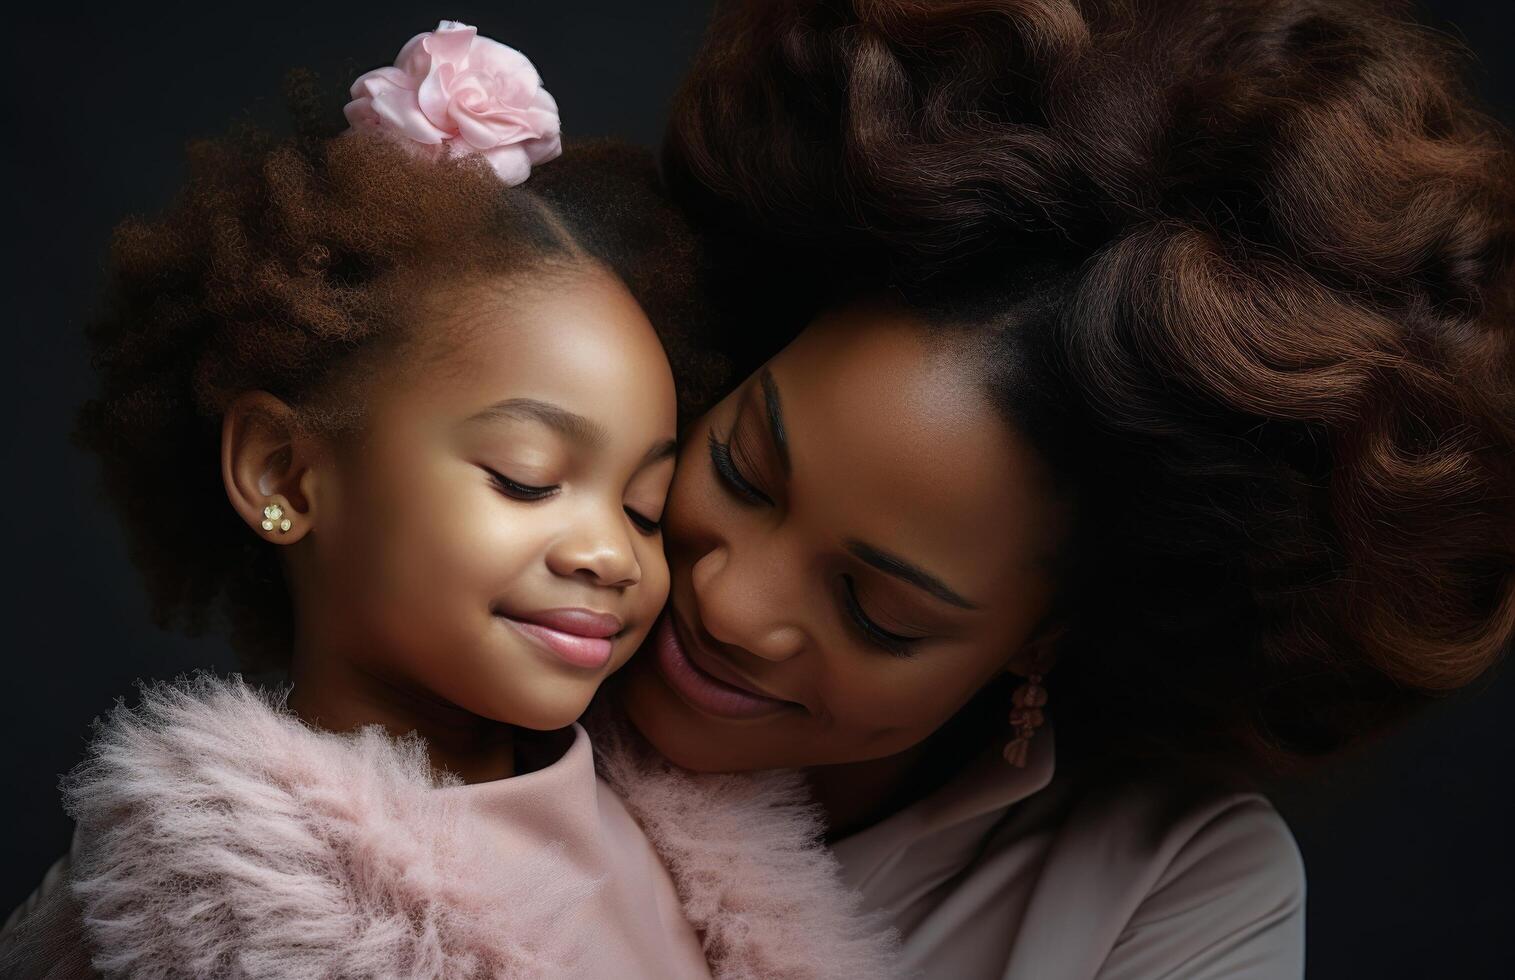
(655, 577)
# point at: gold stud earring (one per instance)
(274, 513)
(1026, 717)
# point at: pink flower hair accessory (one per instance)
(454, 93)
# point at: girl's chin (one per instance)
(548, 711)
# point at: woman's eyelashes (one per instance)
(726, 469)
(724, 458)
(898, 645)
(521, 491)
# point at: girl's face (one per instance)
(490, 538)
(857, 545)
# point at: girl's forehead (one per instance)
(581, 343)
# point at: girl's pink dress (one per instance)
(219, 836)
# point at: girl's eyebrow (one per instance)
(666, 449)
(580, 429)
(571, 424)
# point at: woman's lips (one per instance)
(698, 687)
(579, 637)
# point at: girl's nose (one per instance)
(600, 549)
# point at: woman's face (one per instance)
(857, 544)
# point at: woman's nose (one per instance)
(742, 604)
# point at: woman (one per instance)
(1162, 372)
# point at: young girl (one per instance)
(431, 393)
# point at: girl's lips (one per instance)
(583, 622)
(590, 652)
(699, 688)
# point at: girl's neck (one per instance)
(336, 695)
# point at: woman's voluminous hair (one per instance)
(288, 264)
(1242, 270)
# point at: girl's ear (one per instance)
(268, 467)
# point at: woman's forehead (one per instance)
(895, 441)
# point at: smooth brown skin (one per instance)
(892, 441)
(403, 545)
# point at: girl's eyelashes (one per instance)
(899, 646)
(518, 491)
(646, 525)
(726, 469)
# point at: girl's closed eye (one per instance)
(516, 490)
(647, 525)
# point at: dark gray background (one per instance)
(1408, 846)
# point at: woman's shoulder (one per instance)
(1180, 827)
(1177, 832)
(1190, 875)
(1240, 838)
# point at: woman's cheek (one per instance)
(870, 721)
(895, 698)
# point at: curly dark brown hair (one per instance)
(1244, 273)
(283, 265)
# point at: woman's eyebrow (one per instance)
(571, 424)
(775, 415)
(882, 560)
(905, 571)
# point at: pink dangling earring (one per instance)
(1026, 717)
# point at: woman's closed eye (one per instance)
(725, 458)
(899, 646)
(721, 457)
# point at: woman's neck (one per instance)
(334, 694)
(856, 795)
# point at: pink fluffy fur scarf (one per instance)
(217, 829)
